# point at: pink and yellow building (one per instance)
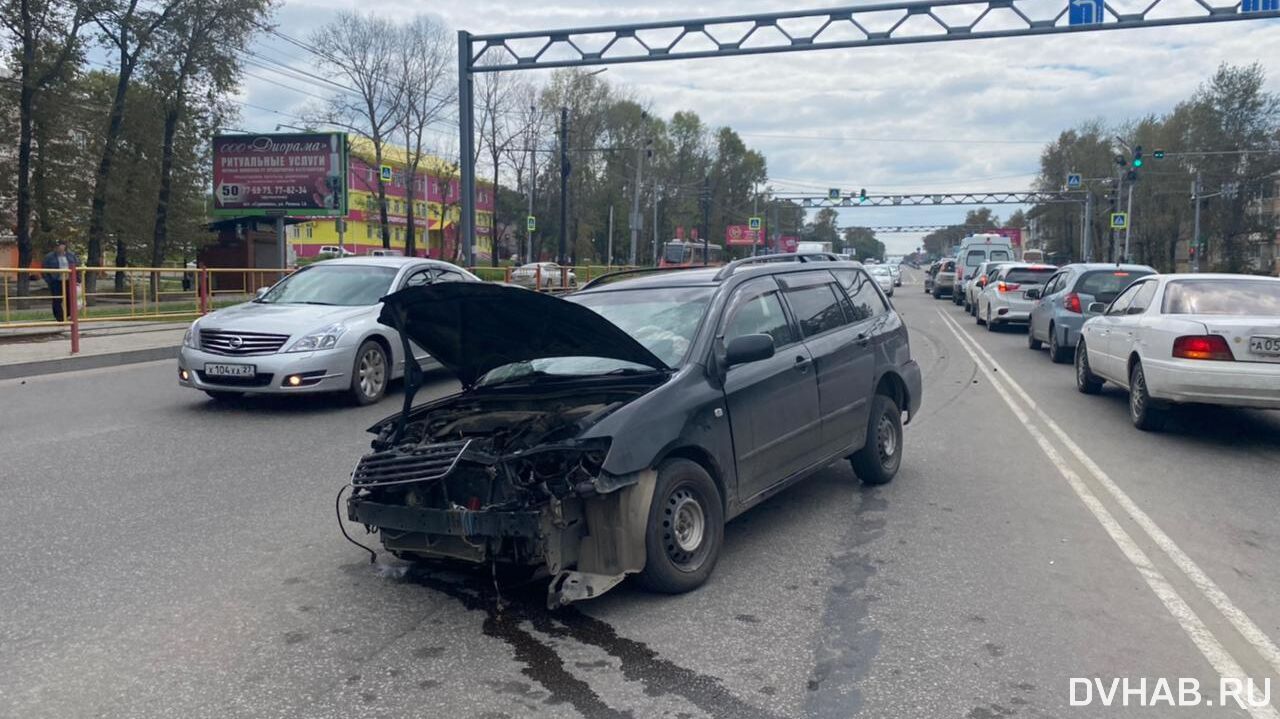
(436, 209)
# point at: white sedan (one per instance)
(883, 277)
(1186, 339)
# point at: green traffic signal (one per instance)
(1137, 156)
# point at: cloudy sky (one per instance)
(937, 117)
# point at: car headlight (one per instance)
(191, 339)
(322, 339)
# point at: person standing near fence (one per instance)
(60, 259)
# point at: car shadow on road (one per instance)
(1213, 426)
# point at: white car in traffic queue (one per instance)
(1003, 300)
(883, 277)
(1186, 339)
(316, 330)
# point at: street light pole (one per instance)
(1195, 237)
(564, 186)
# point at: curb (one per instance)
(82, 362)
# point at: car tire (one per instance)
(991, 325)
(1086, 381)
(1057, 353)
(937, 294)
(968, 307)
(977, 317)
(370, 374)
(1033, 343)
(1142, 411)
(685, 530)
(218, 395)
(881, 454)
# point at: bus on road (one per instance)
(686, 253)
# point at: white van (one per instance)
(974, 250)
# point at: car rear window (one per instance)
(973, 259)
(1000, 256)
(1030, 275)
(1222, 297)
(1104, 285)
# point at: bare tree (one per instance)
(129, 30)
(529, 122)
(428, 92)
(363, 50)
(46, 34)
(494, 93)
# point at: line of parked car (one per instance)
(1168, 340)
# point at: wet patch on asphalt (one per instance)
(847, 646)
(519, 618)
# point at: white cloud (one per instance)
(988, 90)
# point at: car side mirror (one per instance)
(747, 349)
(1097, 308)
(1032, 294)
(261, 291)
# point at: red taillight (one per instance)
(1007, 286)
(982, 282)
(1202, 347)
(1071, 303)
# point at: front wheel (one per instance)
(1086, 381)
(369, 374)
(685, 530)
(1144, 414)
(1057, 353)
(878, 460)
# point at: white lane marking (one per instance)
(1212, 650)
(1218, 598)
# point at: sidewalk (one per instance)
(24, 353)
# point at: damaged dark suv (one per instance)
(614, 431)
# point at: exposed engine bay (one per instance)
(508, 479)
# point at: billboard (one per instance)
(294, 174)
(741, 235)
(1013, 234)
(788, 243)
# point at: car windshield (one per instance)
(664, 320)
(1104, 285)
(879, 270)
(344, 285)
(1223, 297)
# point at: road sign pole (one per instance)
(1195, 236)
(1088, 227)
(1128, 223)
(466, 151)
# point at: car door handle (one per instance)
(802, 363)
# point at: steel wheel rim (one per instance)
(372, 372)
(685, 529)
(886, 439)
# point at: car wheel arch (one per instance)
(702, 458)
(1134, 359)
(385, 344)
(894, 387)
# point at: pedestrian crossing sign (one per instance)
(1119, 220)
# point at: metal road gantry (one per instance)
(890, 23)
(938, 198)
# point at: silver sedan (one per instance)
(316, 330)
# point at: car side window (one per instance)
(864, 301)
(817, 308)
(447, 276)
(1142, 299)
(1054, 284)
(419, 278)
(1121, 303)
(756, 309)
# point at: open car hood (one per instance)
(474, 327)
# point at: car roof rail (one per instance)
(619, 274)
(728, 270)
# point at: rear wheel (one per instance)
(878, 460)
(685, 530)
(977, 317)
(1142, 411)
(1032, 342)
(991, 326)
(1086, 381)
(1057, 353)
(369, 374)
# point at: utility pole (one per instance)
(1195, 237)
(564, 186)
(608, 259)
(533, 181)
(755, 212)
(635, 200)
(655, 225)
(1088, 226)
(706, 217)
(1128, 223)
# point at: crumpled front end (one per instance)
(511, 485)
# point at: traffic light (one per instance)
(862, 195)
(1158, 154)
(1137, 156)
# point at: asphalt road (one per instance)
(168, 557)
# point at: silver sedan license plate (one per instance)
(1265, 345)
(230, 370)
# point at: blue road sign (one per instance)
(1087, 12)
(1073, 181)
(1259, 5)
(833, 193)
